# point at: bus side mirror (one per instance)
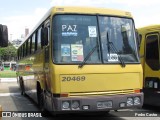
(44, 36)
(3, 36)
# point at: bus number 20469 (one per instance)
(74, 78)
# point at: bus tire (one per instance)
(41, 100)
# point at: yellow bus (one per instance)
(150, 60)
(80, 59)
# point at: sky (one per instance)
(21, 14)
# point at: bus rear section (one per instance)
(150, 60)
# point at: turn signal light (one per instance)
(64, 95)
(137, 91)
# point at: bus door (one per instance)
(47, 69)
(151, 66)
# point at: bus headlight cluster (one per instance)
(129, 101)
(133, 101)
(75, 105)
(137, 101)
(68, 105)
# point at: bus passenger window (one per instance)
(39, 39)
(29, 46)
(26, 48)
(152, 52)
(33, 44)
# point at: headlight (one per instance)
(99, 104)
(75, 105)
(137, 101)
(129, 101)
(66, 105)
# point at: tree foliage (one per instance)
(8, 53)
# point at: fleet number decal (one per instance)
(74, 78)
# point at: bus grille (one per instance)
(103, 93)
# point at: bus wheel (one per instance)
(41, 101)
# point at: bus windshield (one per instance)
(75, 36)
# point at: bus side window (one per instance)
(29, 46)
(45, 36)
(22, 51)
(33, 44)
(152, 51)
(26, 48)
(19, 54)
(45, 33)
(35, 34)
(39, 46)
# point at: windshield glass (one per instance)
(74, 37)
(118, 39)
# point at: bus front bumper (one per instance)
(98, 103)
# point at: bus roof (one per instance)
(149, 28)
(79, 10)
(90, 10)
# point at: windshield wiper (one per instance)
(88, 55)
(108, 46)
(111, 45)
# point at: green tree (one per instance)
(8, 53)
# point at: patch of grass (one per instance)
(7, 74)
